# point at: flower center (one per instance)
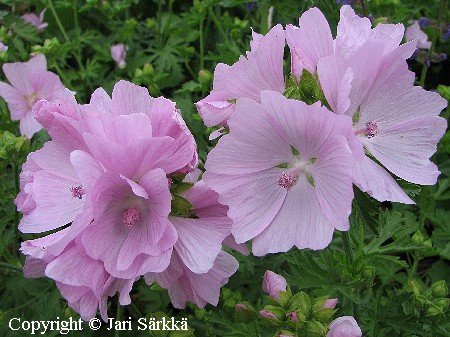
(131, 216)
(77, 192)
(369, 131)
(287, 180)
(30, 100)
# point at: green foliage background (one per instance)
(388, 272)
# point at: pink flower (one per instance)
(131, 233)
(198, 267)
(330, 303)
(285, 172)
(30, 81)
(312, 40)
(345, 326)
(273, 284)
(262, 69)
(119, 53)
(395, 122)
(106, 172)
(414, 32)
(37, 21)
(3, 47)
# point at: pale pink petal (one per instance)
(29, 125)
(300, 222)
(311, 41)
(254, 200)
(336, 82)
(332, 174)
(136, 159)
(200, 241)
(88, 169)
(352, 32)
(45, 84)
(373, 179)
(405, 149)
(19, 74)
(100, 104)
(241, 248)
(16, 101)
(263, 150)
(306, 127)
(215, 108)
(129, 98)
(123, 130)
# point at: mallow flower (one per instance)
(396, 122)
(37, 21)
(29, 82)
(261, 69)
(285, 172)
(107, 173)
(345, 326)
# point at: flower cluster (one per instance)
(114, 171)
(299, 312)
(349, 113)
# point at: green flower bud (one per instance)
(433, 310)
(439, 288)
(442, 303)
(205, 77)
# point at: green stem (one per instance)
(118, 316)
(217, 24)
(188, 67)
(202, 45)
(442, 13)
(76, 54)
(348, 250)
(347, 246)
(264, 10)
(10, 266)
(58, 21)
(61, 74)
(77, 28)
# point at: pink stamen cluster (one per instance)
(287, 180)
(371, 129)
(77, 192)
(131, 216)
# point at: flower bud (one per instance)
(273, 284)
(439, 288)
(293, 316)
(345, 326)
(267, 314)
(330, 303)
